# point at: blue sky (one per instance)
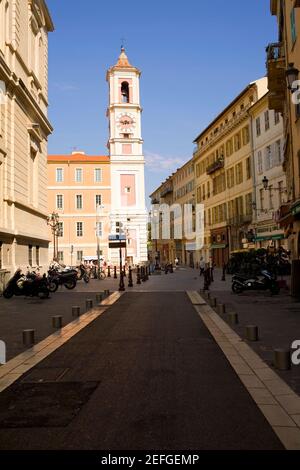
(195, 57)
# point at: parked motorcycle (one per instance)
(67, 278)
(267, 281)
(29, 285)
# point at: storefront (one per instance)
(219, 247)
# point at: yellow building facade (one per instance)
(223, 177)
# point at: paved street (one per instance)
(145, 375)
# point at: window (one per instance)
(248, 168)
(79, 256)
(79, 204)
(99, 231)
(276, 117)
(271, 205)
(280, 192)
(246, 135)
(230, 177)
(239, 173)
(258, 128)
(125, 92)
(60, 256)
(248, 202)
(78, 175)
(59, 175)
(278, 153)
(262, 198)
(267, 121)
(98, 200)
(30, 255)
(127, 189)
(237, 141)
(229, 149)
(59, 201)
(60, 229)
(98, 175)
(259, 162)
(293, 26)
(79, 229)
(37, 255)
(268, 157)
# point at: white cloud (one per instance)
(160, 163)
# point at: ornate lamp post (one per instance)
(53, 222)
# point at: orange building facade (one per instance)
(79, 192)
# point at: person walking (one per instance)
(202, 266)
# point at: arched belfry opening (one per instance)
(125, 92)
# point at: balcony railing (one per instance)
(166, 191)
(217, 165)
(276, 76)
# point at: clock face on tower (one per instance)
(126, 123)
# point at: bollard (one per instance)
(252, 333)
(107, 293)
(149, 271)
(138, 276)
(282, 359)
(221, 309)
(115, 273)
(143, 274)
(213, 302)
(88, 304)
(99, 298)
(108, 272)
(124, 271)
(57, 321)
(233, 318)
(28, 337)
(121, 283)
(130, 282)
(75, 311)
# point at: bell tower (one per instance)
(128, 208)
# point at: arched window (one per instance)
(125, 92)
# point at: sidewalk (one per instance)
(277, 317)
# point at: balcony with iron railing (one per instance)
(215, 166)
(167, 190)
(276, 68)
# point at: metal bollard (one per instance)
(75, 311)
(233, 318)
(57, 321)
(213, 302)
(115, 273)
(252, 333)
(28, 337)
(108, 272)
(138, 276)
(282, 359)
(130, 282)
(99, 298)
(221, 309)
(107, 293)
(88, 304)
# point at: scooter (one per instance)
(29, 285)
(241, 283)
(67, 278)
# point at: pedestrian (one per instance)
(202, 266)
(176, 261)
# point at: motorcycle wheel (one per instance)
(102, 275)
(44, 293)
(70, 284)
(86, 278)
(8, 293)
(52, 286)
(237, 288)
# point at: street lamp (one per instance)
(265, 183)
(53, 222)
(291, 77)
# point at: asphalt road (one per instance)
(145, 375)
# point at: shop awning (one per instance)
(296, 208)
(279, 236)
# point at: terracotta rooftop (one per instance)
(79, 157)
